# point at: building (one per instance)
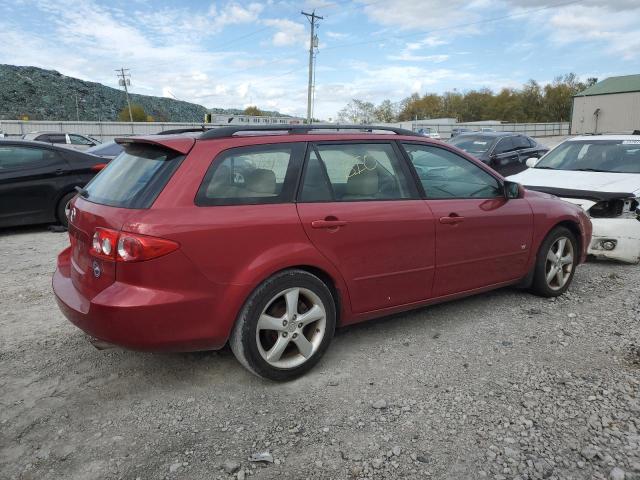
(221, 119)
(609, 106)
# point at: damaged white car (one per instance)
(601, 174)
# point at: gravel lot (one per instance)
(504, 385)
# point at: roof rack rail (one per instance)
(223, 132)
(184, 130)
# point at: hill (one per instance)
(41, 94)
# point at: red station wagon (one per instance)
(269, 238)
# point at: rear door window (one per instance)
(79, 140)
(13, 157)
(504, 145)
(355, 172)
(252, 175)
(135, 178)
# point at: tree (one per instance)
(357, 111)
(386, 112)
(137, 112)
(253, 111)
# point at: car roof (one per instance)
(489, 134)
(596, 138)
(183, 142)
(43, 145)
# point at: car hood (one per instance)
(587, 181)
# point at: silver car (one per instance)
(69, 140)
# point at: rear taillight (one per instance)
(98, 166)
(128, 247)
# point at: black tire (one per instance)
(60, 208)
(541, 286)
(246, 341)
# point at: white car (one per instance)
(601, 174)
(429, 132)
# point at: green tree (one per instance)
(357, 111)
(137, 112)
(386, 112)
(253, 111)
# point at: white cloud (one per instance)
(288, 32)
(409, 57)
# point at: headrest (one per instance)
(261, 180)
(362, 181)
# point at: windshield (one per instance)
(616, 156)
(135, 178)
(475, 144)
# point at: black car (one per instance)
(459, 131)
(37, 181)
(109, 150)
(503, 151)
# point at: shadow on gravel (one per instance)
(27, 229)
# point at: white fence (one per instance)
(530, 129)
(104, 131)
(108, 130)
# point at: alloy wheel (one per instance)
(291, 328)
(559, 263)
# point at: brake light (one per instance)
(129, 247)
(98, 166)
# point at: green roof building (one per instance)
(609, 106)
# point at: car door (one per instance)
(360, 208)
(504, 155)
(29, 182)
(482, 238)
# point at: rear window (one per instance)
(135, 178)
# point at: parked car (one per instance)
(429, 132)
(108, 150)
(69, 140)
(265, 241)
(487, 129)
(601, 174)
(458, 130)
(504, 152)
(37, 181)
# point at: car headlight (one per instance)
(616, 208)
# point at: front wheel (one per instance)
(285, 326)
(556, 263)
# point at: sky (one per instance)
(231, 54)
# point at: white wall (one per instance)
(619, 113)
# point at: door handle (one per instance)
(452, 219)
(327, 223)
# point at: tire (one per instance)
(272, 350)
(545, 282)
(61, 213)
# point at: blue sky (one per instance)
(239, 53)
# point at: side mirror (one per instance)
(531, 162)
(511, 190)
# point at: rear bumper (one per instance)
(622, 233)
(139, 318)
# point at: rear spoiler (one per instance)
(180, 144)
(582, 194)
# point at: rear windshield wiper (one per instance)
(82, 192)
(589, 170)
(545, 168)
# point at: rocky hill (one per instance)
(48, 95)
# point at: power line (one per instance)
(124, 79)
(313, 44)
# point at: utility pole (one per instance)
(313, 43)
(77, 109)
(124, 79)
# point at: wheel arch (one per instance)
(573, 227)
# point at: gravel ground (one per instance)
(504, 385)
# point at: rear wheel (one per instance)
(285, 326)
(62, 209)
(556, 263)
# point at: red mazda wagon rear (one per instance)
(268, 238)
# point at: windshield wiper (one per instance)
(545, 168)
(82, 192)
(589, 170)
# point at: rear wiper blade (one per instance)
(545, 168)
(589, 170)
(82, 192)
